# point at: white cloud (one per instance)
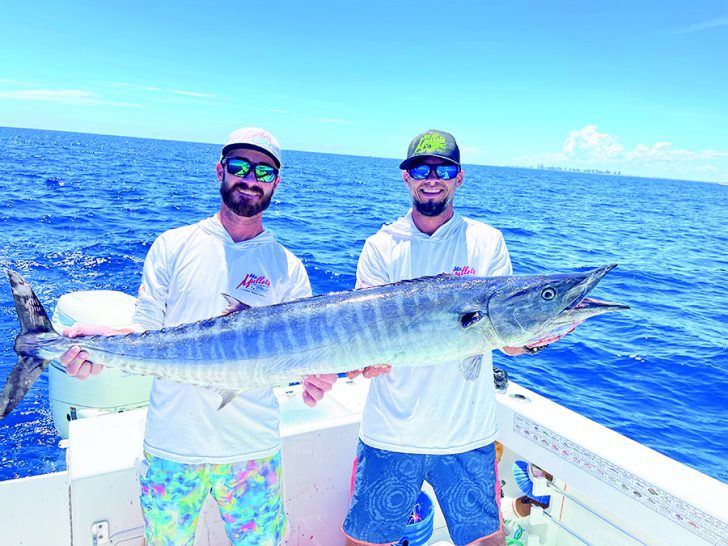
(192, 94)
(110, 93)
(130, 86)
(65, 96)
(588, 143)
(705, 25)
(587, 148)
(15, 82)
(159, 91)
(663, 151)
(334, 121)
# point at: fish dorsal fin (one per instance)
(227, 397)
(419, 280)
(470, 368)
(405, 282)
(234, 305)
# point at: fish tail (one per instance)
(35, 329)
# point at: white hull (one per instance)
(618, 491)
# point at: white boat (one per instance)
(607, 490)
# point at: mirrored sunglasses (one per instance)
(443, 172)
(240, 167)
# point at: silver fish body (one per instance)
(411, 323)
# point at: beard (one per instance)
(242, 206)
(431, 208)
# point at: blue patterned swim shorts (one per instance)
(387, 484)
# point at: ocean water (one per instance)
(80, 211)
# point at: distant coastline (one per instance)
(575, 170)
(608, 173)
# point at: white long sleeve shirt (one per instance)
(185, 274)
(431, 410)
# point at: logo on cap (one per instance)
(261, 138)
(430, 143)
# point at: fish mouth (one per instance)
(585, 309)
(577, 295)
(583, 306)
(598, 306)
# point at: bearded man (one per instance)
(192, 448)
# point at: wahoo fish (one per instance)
(419, 322)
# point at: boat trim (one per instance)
(660, 501)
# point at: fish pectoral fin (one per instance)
(234, 305)
(470, 368)
(227, 397)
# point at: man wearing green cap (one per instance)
(428, 423)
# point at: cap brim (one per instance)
(231, 147)
(407, 163)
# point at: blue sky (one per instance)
(639, 87)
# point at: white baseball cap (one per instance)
(254, 138)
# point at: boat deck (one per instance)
(607, 489)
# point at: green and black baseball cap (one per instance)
(432, 143)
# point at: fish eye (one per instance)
(548, 293)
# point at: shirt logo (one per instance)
(257, 284)
(462, 271)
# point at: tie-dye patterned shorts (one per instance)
(248, 495)
(387, 484)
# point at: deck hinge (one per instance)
(100, 532)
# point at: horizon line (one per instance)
(543, 168)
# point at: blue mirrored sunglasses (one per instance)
(237, 166)
(443, 172)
